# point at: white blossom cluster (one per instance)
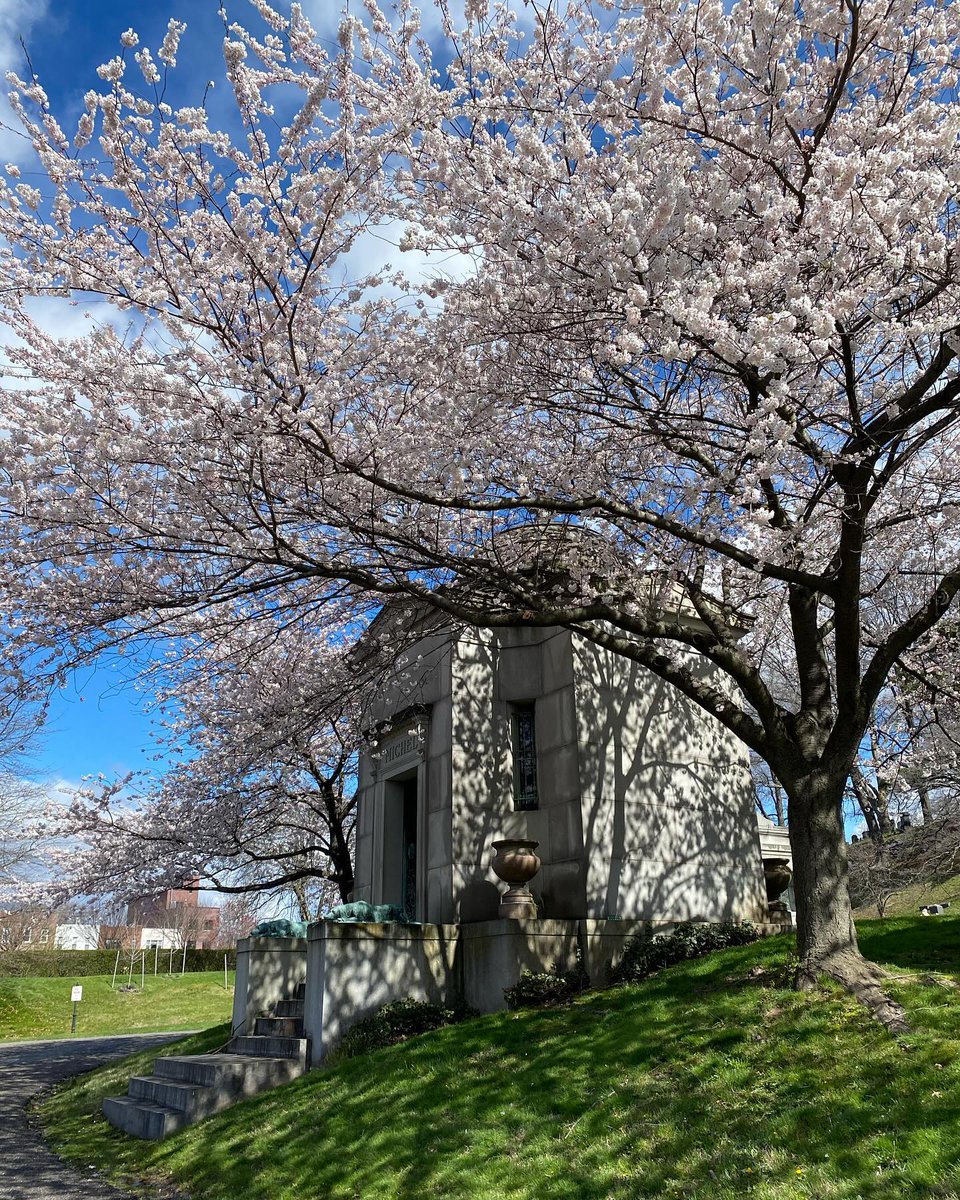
(696, 384)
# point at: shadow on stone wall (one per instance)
(268, 970)
(669, 826)
(645, 803)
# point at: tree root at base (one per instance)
(862, 979)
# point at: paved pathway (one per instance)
(29, 1170)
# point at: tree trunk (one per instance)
(925, 808)
(872, 827)
(779, 804)
(298, 890)
(342, 861)
(826, 936)
(872, 805)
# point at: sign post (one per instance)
(76, 995)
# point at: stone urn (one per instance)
(776, 876)
(516, 862)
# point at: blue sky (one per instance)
(68, 39)
(98, 722)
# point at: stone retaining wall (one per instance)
(268, 969)
(352, 970)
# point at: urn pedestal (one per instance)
(515, 863)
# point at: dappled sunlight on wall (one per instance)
(643, 804)
(667, 800)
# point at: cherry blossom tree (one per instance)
(261, 726)
(21, 805)
(238, 915)
(927, 707)
(21, 799)
(908, 768)
(261, 737)
(683, 376)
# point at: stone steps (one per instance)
(142, 1120)
(202, 1068)
(188, 1087)
(288, 1008)
(269, 1047)
(285, 1027)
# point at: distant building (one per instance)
(168, 920)
(26, 927)
(175, 916)
(152, 937)
(77, 937)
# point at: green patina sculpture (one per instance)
(357, 912)
(280, 927)
(360, 910)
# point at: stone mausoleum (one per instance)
(640, 805)
(520, 757)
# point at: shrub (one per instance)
(644, 955)
(396, 1022)
(66, 964)
(546, 988)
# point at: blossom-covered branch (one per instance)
(691, 384)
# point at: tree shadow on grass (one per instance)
(913, 943)
(684, 1086)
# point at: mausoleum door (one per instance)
(401, 852)
(409, 850)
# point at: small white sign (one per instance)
(76, 994)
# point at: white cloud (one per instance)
(326, 15)
(379, 245)
(61, 318)
(17, 19)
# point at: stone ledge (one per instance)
(393, 931)
(282, 945)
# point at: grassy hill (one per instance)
(918, 866)
(906, 902)
(41, 1008)
(709, 1082)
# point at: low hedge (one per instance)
(545, 989)
(395, 1023)
(62, 964)
(644, 955)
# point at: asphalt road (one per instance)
(29, 1170)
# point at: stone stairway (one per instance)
(186, 1088)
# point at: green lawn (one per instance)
(711, 1081)
(41, 1008)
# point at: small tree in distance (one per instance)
(699, 355)
(238, 915)
(256, 798)
(258, 734)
